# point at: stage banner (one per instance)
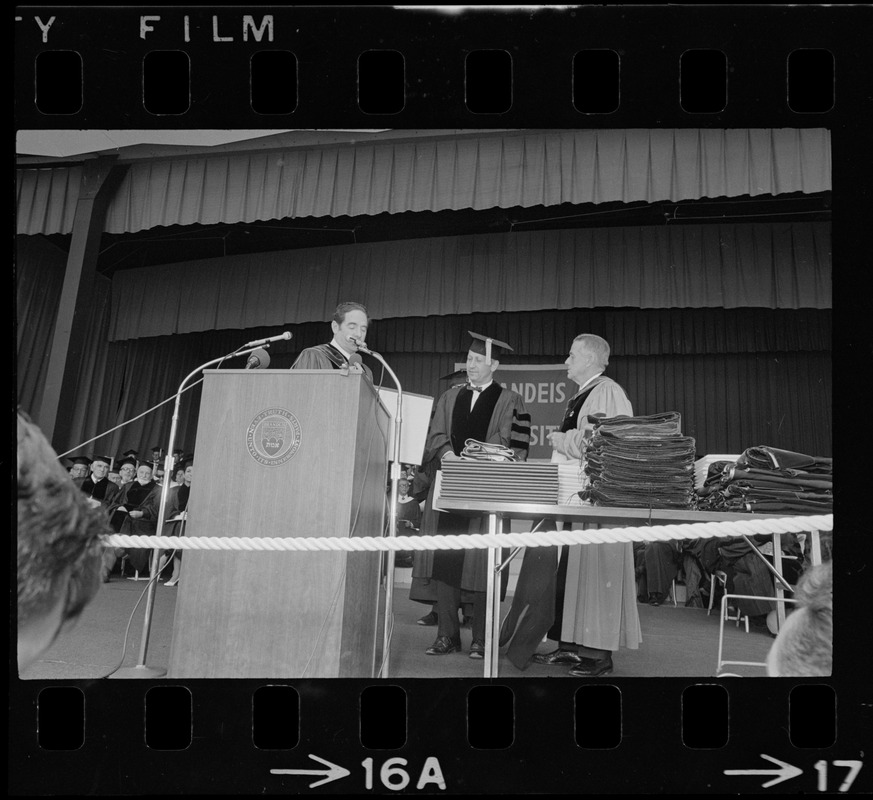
(545, 389)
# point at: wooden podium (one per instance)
(283, 453)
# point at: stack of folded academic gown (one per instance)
(474, 450)
(768, 480)
(489, 472)
(641, 462)
(708, 465)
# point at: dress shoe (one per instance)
(172, 582)
(477, 650)
(428, 619)
(443, 646)
(592, 668)
(557, 657)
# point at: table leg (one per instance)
(815, 548)
(492, 610)
(780, 592)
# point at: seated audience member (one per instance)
(114, 477)
(97, 486)
(747, 574)
(656, 567)
(176, 517)
(804, 646)
(127, 470)
(178, 476)
(136, 505)
(101, 493)
(59, 548)
(80, 467)
(408, 519)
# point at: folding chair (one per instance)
(724, 599)
(721, 577)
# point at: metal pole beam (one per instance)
(100, 179)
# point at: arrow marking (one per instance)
(784, 773)
(333, 772)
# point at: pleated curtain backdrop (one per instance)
(39, 279)
(739, 376)
(702, 266)
(390, 171)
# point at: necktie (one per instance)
(474, 388)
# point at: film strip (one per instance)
(419, 68)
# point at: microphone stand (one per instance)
(141, 670)
(392, 523)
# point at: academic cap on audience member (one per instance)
(105, 459)
(129, 460)
(487, 346)
(130, 453)
(82, 460)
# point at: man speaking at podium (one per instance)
(480, 409)
(350, 323)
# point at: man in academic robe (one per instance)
(79, 468)
(408, 519)
(127, 470)
(588, 605)
(350, 323)
(137, 505)
(483, 410)
(97, 486)
(177, 517)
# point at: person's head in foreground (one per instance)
(59, 549)
(804, 646)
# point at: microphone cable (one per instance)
(120, 663)
(148, 411)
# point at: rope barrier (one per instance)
(481, 541)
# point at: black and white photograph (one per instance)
(676, 279)
(505, 411)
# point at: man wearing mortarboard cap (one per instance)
(135, 511)
(479, 409)
(79, 469)
(127, 469)
(97, 485)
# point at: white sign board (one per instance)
(415, 420)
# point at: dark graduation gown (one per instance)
(103, 490)
(325, 356)
(498, 417)
(135, 496)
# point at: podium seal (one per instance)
(273, 437)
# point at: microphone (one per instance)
(356, 363)
(258, 342)
(260, 359)
(360, 345)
